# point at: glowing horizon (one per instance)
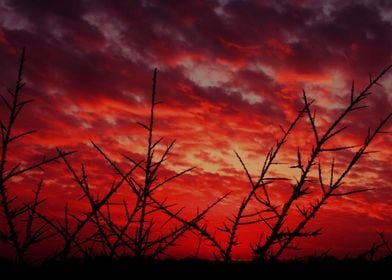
(230, 73)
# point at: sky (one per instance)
(230, 73)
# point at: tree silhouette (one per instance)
(138, 235)
(276, 216)
(21, 226)
(150, 225)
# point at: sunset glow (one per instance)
(230, 73)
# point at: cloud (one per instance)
(229, 73)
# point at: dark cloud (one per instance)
(229, 73)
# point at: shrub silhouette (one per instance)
(138, 235)
(21, 225)
(274, 216)
(95, 232)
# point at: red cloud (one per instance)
(229, 75)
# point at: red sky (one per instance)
(230, 72)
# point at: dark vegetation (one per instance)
(94, 240)
(317, 268)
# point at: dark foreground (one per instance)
(317, 268)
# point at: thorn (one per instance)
(352, 92)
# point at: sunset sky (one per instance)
(229, 74)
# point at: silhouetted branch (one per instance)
(23, 226)
(299, 190)
(260, 183)
(375, 248)
(142, 240)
